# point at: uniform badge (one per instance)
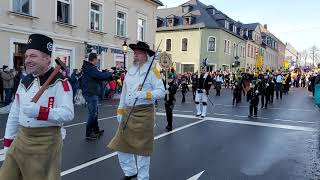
(49, 46)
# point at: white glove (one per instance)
(141, 95)
(257, 91)
(63, 133)
(31, 109)
(3, 153)
(119, 118)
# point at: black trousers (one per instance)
(218, 92)
(267, 99)
(169, 111)
(194, 93)
(253, 109)
(271, 97)
(262, 98)
(183, 97)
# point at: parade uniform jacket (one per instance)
(138, 137)
(133, 82)
(56, 104)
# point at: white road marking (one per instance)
(77, 124)
(288, 109)
(196, 177)
(285, 120)
(71, 125)
(280, 126)
(82, 166)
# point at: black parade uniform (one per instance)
(170, 100)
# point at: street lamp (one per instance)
(125, 50)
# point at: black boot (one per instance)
(129, 177)
(169, 128)
(92, 136)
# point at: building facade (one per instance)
(77, 27)
(194, 31)
(291, 55)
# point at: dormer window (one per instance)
(234, 29)
(187, 20)
(247, 33)
(186, 8)
(241, 32)
(211, 10)
(169, 22)
(226, 24)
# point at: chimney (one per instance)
(265, 26)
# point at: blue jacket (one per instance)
(91, 79)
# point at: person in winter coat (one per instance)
(184, 89)
(74, 81)
(8, 83)
(90, 88)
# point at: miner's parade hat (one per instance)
(41, 43)
(142, 46)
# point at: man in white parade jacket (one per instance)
(33, 133)
(135, 143)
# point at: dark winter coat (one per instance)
(91, 79)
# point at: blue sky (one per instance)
(293, 21)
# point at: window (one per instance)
(247, 33)
(252, 51)
(169, 22)
(241, 32)
(249, 50)
(184, 44)
(141, 29)
(229, 50)
(211, 44)
(121, 24)
(185, 9)
(234, 29)
(240, 51)
(225, 46)
(96, 17)
(168, 45)
(64, 11)
(226, 24)
(243, 52)
(187, 20)
(235, 49)
(22, 6)
(187, 68)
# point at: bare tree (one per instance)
(314, 54)
(303, 57)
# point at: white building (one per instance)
(76, 26)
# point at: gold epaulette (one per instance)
(156, 72)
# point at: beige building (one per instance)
(77, 27)
(291, 55)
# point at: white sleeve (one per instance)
(158, 91)
(63, 111)
(123, 94)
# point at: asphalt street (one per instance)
(282, 143)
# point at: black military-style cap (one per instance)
(41, 43)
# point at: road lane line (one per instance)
(77, 124)
(233, 121)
